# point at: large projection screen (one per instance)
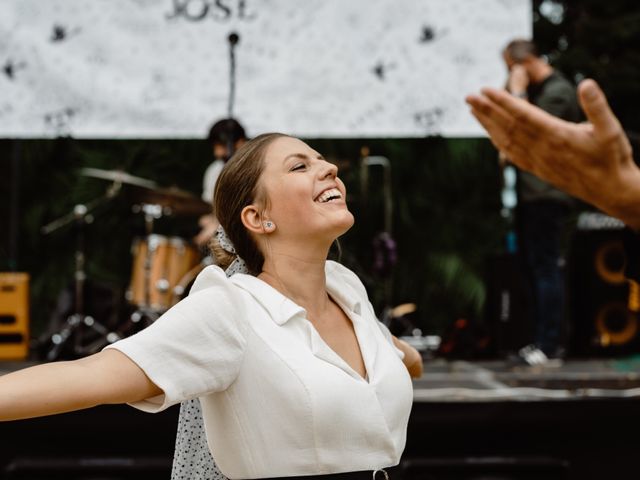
(312, 68)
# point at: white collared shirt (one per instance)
(276, 399)
(210, 179)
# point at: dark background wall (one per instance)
(438, 186)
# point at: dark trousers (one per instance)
(540, 228)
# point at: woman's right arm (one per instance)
(412, 359)
(106, 377)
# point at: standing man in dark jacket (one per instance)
(542, 209)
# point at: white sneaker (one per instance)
(532, 355)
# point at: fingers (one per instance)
(528, 116)
(491, 119)
(507, 132)
(490, 115)
(512, 143)
(518, 79)
(595, 106)
(520, 119)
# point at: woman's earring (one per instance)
(269, 225)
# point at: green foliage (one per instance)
(447, 225)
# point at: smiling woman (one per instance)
(294, 373)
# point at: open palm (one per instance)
(591, 161)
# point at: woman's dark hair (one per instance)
(237, 187)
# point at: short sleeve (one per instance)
(196, 347)
(210, 179)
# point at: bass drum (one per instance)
(159, 263)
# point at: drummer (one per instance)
(225, 137)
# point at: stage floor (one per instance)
(502, 380)
(470, 421)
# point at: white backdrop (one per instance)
(312, 68)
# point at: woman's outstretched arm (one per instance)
(106, 377)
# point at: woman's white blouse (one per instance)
(276, 399)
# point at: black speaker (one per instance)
(509, 305)
(601, 322)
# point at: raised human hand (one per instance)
(518, 80)
(592, 161)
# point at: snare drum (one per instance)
(159, 263)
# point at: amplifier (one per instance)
(603, 304)
(14, 316)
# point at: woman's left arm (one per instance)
(412, 358)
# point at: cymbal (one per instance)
(176, 201)
(119, 176)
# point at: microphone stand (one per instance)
(233, 38)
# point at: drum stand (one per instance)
(145, 314)
(78, 322)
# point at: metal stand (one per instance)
(79, 323)
(145, 314)
(233, 38)
(383, 240)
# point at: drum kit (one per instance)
(163, 267)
